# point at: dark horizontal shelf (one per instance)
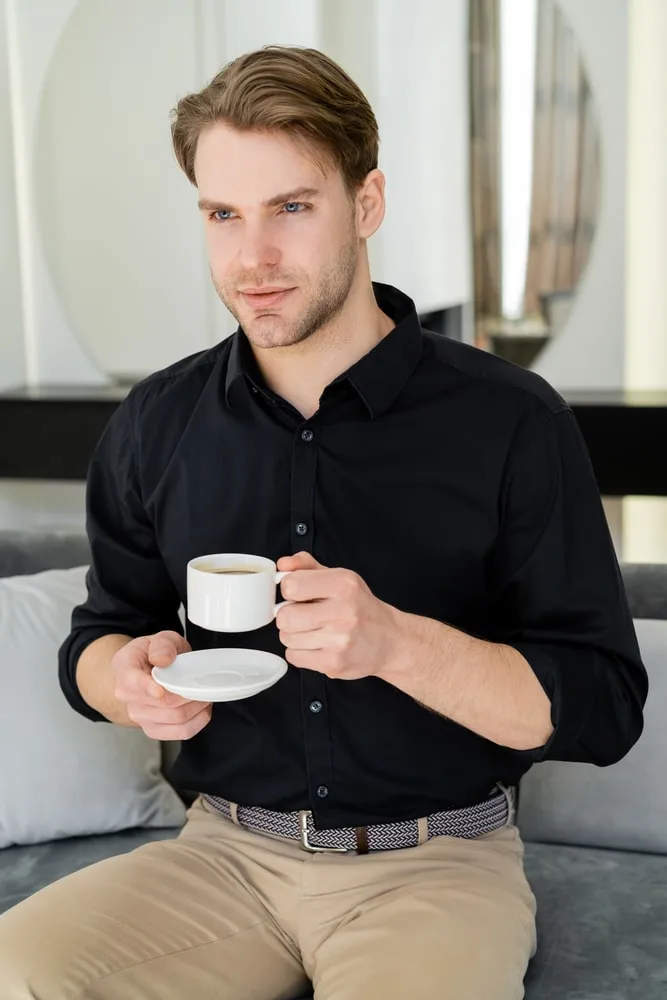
(49, 432)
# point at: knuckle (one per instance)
(344, 641)
(166, 634)
(348, 584)
(349, 618)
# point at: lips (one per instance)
(262, 300)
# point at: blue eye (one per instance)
(290, 205)
(224, 212)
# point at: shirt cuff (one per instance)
(68, 657)
(567, 677)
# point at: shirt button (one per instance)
(322, 791)
(316, 706)
(307, 435)
(301, 528)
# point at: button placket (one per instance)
(317, 745)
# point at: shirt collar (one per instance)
(378, 377)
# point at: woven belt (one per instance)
(468, 822)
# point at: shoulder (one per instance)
(177, 388)
(516, 387)
(150, 422)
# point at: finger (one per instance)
(164, 647)
(134, 683)
(301, 560)
(316, 584)
(305, 616)
(167, 715)
(166, 699)
(134, 673)
(310, 659)
(180, 731)
(133, 679)
(316, 639)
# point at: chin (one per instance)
(270, 331)
(268, 336)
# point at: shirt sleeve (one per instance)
(559, 595)
(130, 591)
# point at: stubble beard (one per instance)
(329, 295)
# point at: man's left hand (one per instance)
(336, 625)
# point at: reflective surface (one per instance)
(535, 173)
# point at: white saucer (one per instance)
(220, 674)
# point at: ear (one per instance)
(370, 204)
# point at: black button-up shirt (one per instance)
(457, 486)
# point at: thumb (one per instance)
(301, 560)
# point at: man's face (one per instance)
(274, 220)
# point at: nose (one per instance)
(257, 249)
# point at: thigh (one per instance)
(460, 926)
(169, 920)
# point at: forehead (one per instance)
(248, 167)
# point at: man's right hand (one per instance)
(161, 714)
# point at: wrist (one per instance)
(408, 647)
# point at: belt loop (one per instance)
(234, 812)
(361, 833)
(422, 830)
(507, 792)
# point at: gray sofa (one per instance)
(602, 903)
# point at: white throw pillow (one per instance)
(623, 806)
(62, 775)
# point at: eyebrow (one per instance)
(278, 199)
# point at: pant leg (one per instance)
(449, 920)
(170, 920)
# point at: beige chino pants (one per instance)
(222, 914)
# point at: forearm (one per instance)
(95, 678)
(486, 687)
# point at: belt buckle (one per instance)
(305, 843)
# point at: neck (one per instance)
(301, 373)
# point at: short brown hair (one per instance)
(297, 91)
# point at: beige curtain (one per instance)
(484, 29)
(565, 164)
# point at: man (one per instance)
(458, 610)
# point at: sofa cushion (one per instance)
(31, 551)
(623, 806)
(601, 924)
(646, 589)
(25, 870)
(64, 775)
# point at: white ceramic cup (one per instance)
(232, 592)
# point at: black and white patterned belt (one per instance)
(468, 822)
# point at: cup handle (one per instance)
(281, 605)
(280, 576)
